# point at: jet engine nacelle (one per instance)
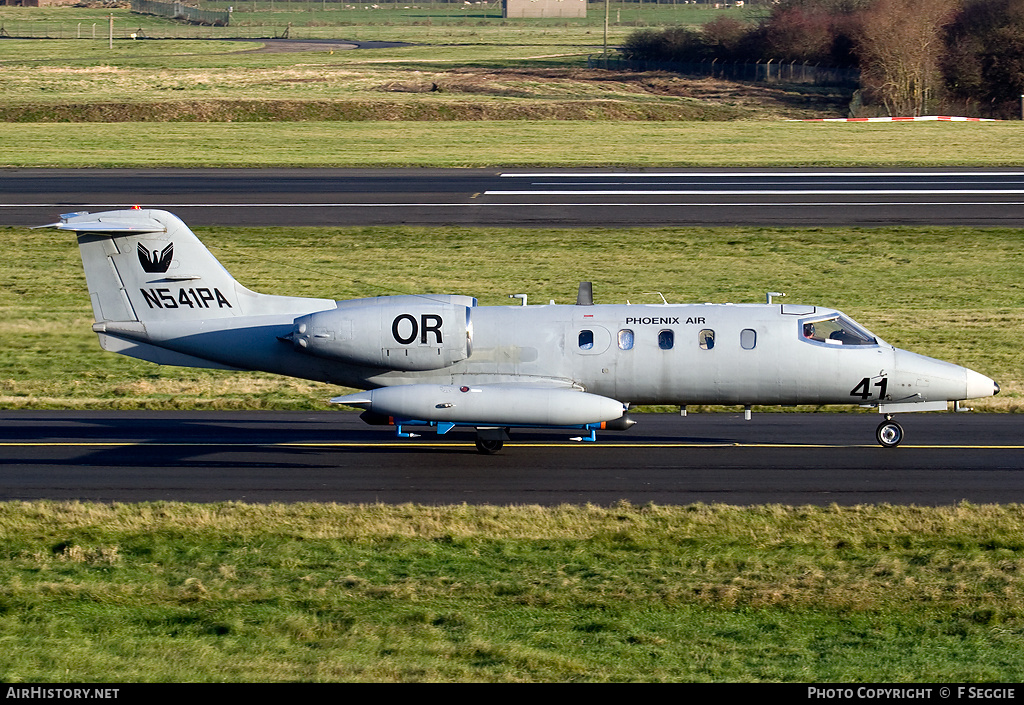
(392, 332)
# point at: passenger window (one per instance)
(706, 338)
(586, 339)
(748, 338)
(666, 339)
(625, 339)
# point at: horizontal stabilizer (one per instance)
(113, 223)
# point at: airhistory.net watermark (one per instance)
(42, 693)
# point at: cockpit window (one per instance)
(835, 330)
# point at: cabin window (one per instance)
(748, 338)
(625, 339)
(706, 338)
(586, 339)
(666, 339)
(835, 330)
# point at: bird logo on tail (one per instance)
(155, 262)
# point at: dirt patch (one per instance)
(352, 111)
(479, 94)
(283, 46)
(756, 100)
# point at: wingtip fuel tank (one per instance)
(488, 405)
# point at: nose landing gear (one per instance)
(889, 433)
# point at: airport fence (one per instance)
(770, 71)
(181, 11)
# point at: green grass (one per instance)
(311, 592)
(225, 81)
(509, 144)
(487, 69)
(950, 293)
(431, 22)
(188, 54)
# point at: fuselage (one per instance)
(639, 354)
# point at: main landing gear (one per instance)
(889, 433)
(488, 446)
(490, 440)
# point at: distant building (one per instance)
(544, 8)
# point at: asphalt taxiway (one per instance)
(550, 198)
(330, 456)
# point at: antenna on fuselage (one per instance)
(585, 296)
(773, 293)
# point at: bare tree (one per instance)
(984, 64)
(900, 44)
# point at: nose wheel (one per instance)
(889, 433)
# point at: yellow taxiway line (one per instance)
(458, 444)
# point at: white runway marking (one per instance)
(752, 192)
(479, 204)
(597, 184)
(749, 174)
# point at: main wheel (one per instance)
(488, 446)
(889, 434)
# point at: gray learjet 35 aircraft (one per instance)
(442, 361)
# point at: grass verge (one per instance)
(510, 143)
(311, 592)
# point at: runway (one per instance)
(266, 457)
(333, 457)
(549, 198)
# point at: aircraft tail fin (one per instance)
(147, 265)
(155, 287)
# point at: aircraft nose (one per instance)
(978, 385)
(938, 380)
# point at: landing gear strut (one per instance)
(889, 433)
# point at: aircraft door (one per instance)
(588, 339)
(593, 364)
